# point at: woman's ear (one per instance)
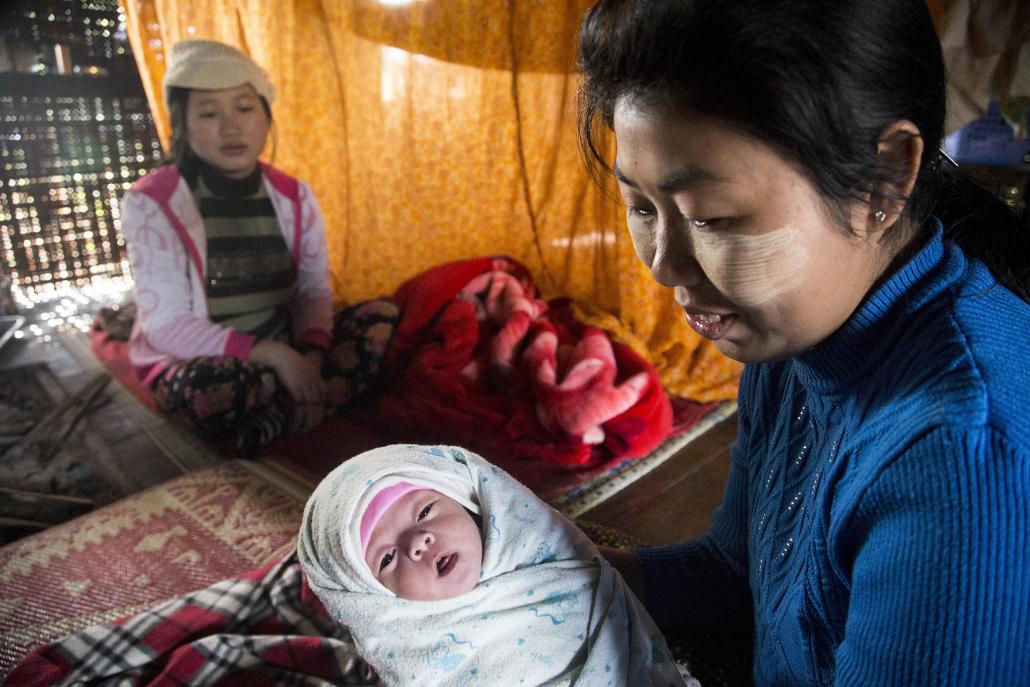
(899, 150)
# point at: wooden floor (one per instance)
(676, 500)
(673, 502)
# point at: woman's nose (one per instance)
(419, 544)
(674, 262)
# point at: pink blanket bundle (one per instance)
(479, 356)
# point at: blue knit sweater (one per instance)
(876, 524)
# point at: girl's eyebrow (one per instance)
(208, 99)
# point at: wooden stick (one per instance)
(84, 399)
(15, 432)
(18, 522)
(17, 429)
(23, 493)
(44, 426)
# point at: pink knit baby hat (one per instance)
(379, 504)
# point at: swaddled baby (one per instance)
(448, 571)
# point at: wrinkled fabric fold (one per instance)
(470, 355)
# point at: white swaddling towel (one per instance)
(548, 610)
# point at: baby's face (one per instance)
(426, 547)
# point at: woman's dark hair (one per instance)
(179, 151)
(817, 81)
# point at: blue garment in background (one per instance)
(988, 141)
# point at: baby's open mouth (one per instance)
(446, 563)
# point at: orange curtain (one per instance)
(437, 130)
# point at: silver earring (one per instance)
(880, 215)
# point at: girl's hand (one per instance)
(299, 376)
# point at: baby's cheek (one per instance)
(390, 585)
(472, 579)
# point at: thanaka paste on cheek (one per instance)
(751, 269)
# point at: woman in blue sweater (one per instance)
(780, 168)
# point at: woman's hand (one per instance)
(301, 378)
(628, 566)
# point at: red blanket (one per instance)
(263, 628)
(478, 359)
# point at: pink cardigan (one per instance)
(164, 235)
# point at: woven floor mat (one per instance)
(179, 536)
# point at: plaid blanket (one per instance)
(262, 628)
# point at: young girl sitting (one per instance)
(447, 571)
(235, 330)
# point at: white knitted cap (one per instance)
(210, 65)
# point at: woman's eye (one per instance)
(387, 559)
(709, 223)
(246, 108)
(424, 513)
(642, 212)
